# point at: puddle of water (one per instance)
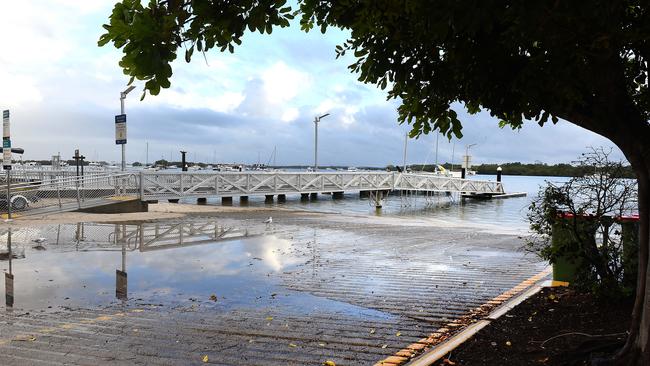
(177, 264)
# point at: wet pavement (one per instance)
(303, 290)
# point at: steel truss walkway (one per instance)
(73, 193)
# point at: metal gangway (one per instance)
(77, 192)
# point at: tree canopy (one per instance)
(520, 60)
(582, 61)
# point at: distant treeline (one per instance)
(556, 170)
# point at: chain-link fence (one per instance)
(65, 193)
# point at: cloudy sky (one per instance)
(63, 92)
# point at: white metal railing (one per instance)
(161, 185)
(66, 193)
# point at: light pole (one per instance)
(122, 97)
(466, 161)
(316, 120)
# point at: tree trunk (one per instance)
(637, 348)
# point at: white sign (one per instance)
(120, 129)
(6, 158)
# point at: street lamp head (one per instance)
(128, 90)
(323, 116)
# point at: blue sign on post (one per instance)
(6, 144)
(120, 129)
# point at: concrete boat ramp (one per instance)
(228, 289)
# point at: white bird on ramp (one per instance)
(269, 220)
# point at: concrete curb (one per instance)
(429, 357)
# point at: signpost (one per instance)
(6, 157)
(9, 277)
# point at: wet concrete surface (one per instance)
(302, 290)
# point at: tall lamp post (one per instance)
(316, 120)
(466, 161)
(122, 97)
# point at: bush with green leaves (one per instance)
(576, 222)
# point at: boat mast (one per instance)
(406, 139)
(435, 168)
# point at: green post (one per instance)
(566, 245)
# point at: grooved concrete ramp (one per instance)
(356, 291)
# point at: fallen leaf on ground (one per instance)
(25, 338)
(508, 343)
(322, 344)
(292, 345)
(269, 318)
(398, 334)
(205, 359)
(213, 297)
(384, 346)
(329, 363)
(372, 331)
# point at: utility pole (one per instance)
(316, 121)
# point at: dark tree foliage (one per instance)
(584, 213)
(582, 61)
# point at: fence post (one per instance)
(58, 193)
(141, 185)
(78, 197)
(180, 177)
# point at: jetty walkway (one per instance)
(46, 193)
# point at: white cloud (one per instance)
(18, 90)
(282, 83)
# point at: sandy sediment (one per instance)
(165, 211)
(158, 211)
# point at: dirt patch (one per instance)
(557, 326)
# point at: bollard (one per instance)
(183, 163)
(499, 174)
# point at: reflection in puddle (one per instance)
(172, 263)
